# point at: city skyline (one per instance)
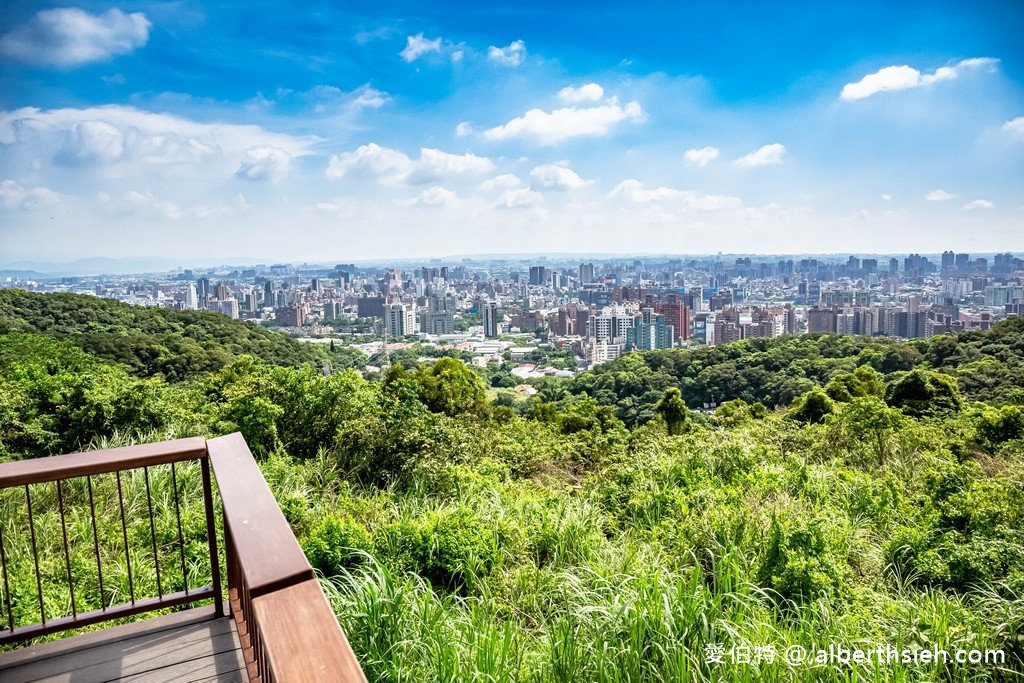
(148, 130)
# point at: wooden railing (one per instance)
(75, 486)
(285, 624)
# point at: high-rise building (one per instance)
(191, 298)
(489, 315)
(268, 294)
(537, 278)
(252, 303)
(948, 260)
(400, 320)
(437, 322)
(291, 316)
(586, 273)
(370, 307)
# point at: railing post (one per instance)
(211, 534)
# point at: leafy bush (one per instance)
(333, 544)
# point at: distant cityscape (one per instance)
(596, 309)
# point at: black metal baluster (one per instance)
(152, 533)
(211, 535)
(67, 553)
(7, 584)
(181, 538)
(124, 535)
(96, 544)
(35, 556)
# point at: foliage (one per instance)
(151, 342)
(570, 537)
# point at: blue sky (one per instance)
(339, 131)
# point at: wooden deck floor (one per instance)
(186, 647)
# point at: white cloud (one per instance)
(69, 37)
(505, 181)
(373, 161)
(939, 196)
(1015, 127)
(553, 177)
(892, 78)
(978, 204)
(264, 162)
(519, 199)
(116, 135)
(634, 190)
(434, 164)
(15, 197)
(368, 97)
(436, 196)
(417, 46)
(549, 128)
(91, 142)
(463, 129)
(145, 202)
(512, 54)
(887, 197)
(769, 154)
(591, 92)
(701, 157)
(392, 166)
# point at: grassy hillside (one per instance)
(148, 341)
(551, 540)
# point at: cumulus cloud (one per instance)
(892, 78)
(701, 157)
(109, 135)
(519, 199)
(69, 37)
(1015, 127)
(769, 154)
(512, 54)
(15, 197)
(939, 196)
(505, 181)
(887, 197)
(391, 166)
(434, 164)
(91, 142)
(554, 177)
(978, 204)
(264, 162)
(416, 46)
(435, 197)
(591, 92)
(634, 191)
(550, 128)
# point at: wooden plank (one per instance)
(113, 612)
(263, 542)
(40, 470)
(84, 641)
(302, 638)
(223, 666)
(142, 661)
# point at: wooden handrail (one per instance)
(287, 629)
(39, 470)
(262, 540)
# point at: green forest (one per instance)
(844, 490)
